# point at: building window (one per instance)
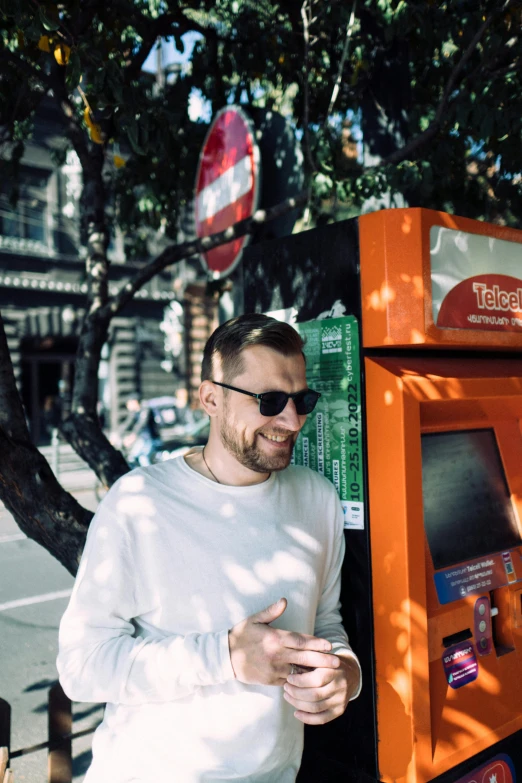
(25, 226)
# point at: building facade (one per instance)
(43, 290)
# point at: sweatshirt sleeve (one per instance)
(328, 622)
(101, 656)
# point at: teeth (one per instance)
(277, 438)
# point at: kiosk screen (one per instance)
(467, 507)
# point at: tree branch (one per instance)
(337, 85)
(436, 124)
(175, 253)
(306, 89)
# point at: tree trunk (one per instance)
(43, 510)
(82, 428)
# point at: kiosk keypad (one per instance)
(483, 632)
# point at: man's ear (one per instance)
(208, 397)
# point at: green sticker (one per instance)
(331, 439)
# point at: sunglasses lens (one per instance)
(272, 403)
(306, 401)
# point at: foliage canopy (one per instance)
(432, 87)
(420, 98)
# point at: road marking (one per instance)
(12, 537)
(35, 599)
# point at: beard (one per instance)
(251, 455)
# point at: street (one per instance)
(34, 590)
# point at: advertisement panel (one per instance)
(476, 281)
(331, 440)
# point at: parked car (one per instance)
(193, 435)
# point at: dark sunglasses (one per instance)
(273, 402)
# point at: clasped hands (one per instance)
(262, 655)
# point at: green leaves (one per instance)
(73, 73)
(48, 24)
(402, 54)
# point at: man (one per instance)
(178, 619)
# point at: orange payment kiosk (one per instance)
(441, 305)
(432, 582)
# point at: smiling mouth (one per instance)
(276, 438)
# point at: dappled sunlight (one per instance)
(166, 573)
(227, 510)
(490, 683)
(242, 579)
(132, 482)
(388, 397)
(303, 538)
(389, 560)
(269, 571)
(417, 337)
(466, 728)
(135, 505)
(102, 573)
(407, 223)
(380, 299)
(417, 285)
(428, 722)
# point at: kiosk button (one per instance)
(482, 626)
(483, 642)
(482, 609)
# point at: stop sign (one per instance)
(227, 185)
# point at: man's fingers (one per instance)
(310, 694)
(302, 641)
(317, 719)
(314, 679)
(312, 707)
(271, 612)
(312, 659)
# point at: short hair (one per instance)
(231, 338)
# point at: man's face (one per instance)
(262, 443)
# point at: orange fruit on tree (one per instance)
(43, 43)
(62, 52)
(95, 131)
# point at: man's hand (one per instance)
(262, 655)
(322, 695)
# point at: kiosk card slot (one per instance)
(455, 638)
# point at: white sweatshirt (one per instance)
(172, 561)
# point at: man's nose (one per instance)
(289, 418)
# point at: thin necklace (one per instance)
(208, 467)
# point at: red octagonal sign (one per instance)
(227, 185)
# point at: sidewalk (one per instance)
(29, 632)
(69, 468)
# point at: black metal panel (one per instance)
(311, 272)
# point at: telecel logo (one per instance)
(497, 299)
